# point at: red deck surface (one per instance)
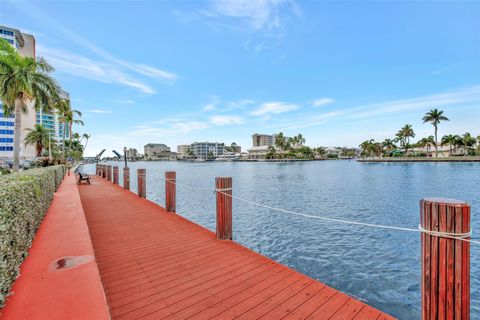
(158, 265)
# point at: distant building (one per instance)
(204, 150)
(132, 153)
(260, 140)
(182, 150)
(53, 123)
(260, 145)
(155, 149)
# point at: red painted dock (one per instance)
(158, 265)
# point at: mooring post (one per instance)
(115, 175)
(126, 178)
(96, 169)
(109, 173)
(142, 182)
(104, 171)
(170, 190)
(445, 261)
(223, 187)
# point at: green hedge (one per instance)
(24, 199)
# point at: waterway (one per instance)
(377, 266)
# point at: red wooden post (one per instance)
(445, 262)
(223, 186)
(170, 190)
(126, 178)
(115, 175)
(142, 182)
(109, 173)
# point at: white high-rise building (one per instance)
(25, 44)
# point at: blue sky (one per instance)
(337, 72)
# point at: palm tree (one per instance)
(435, 116)
(404, 135)
(451, 140)
(62, 107)
(23, 81)
(39, 136)
(87, 136)
(468, 142)
(281, 142)
(389, 144)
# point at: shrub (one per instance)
(24, 199)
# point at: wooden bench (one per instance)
(83, 177)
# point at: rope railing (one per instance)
(454, 236)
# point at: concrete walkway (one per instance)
(158, 265)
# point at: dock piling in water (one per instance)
(170, 190)
(445, 261)
(126, 178)
(115, 174)
(223, 187)
(109, 173)
(142, 182)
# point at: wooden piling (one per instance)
(142, 182)
(170, 190)
(223, 186)
(445, 261)
(109, 173)
(126, 178)
(104, 171)
(115, 174)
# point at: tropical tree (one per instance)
(39, 137)
(435, 116)
(86, 137)
(450, 140)
(389, 145)
(468, 141)
(404, 135)
(281, 142)
(24, 81)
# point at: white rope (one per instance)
(455, 236)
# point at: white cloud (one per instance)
(323, 102)
(100, 111)
(453, 97)
(119, 66)
(226, 120)
(274, 108)
(209, 107)
(258, 14)
(80, 66)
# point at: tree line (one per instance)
(401, 144)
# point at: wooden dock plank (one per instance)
(158, 265)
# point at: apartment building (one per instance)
(182, 150)
(155, 149)
(204, 150)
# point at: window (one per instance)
(6, 131)
(6, 148)
(6, 123)
(7, 32)
(6, 140)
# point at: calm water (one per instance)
(379, 267)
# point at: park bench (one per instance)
(83, 177)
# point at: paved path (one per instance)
(158, 265)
